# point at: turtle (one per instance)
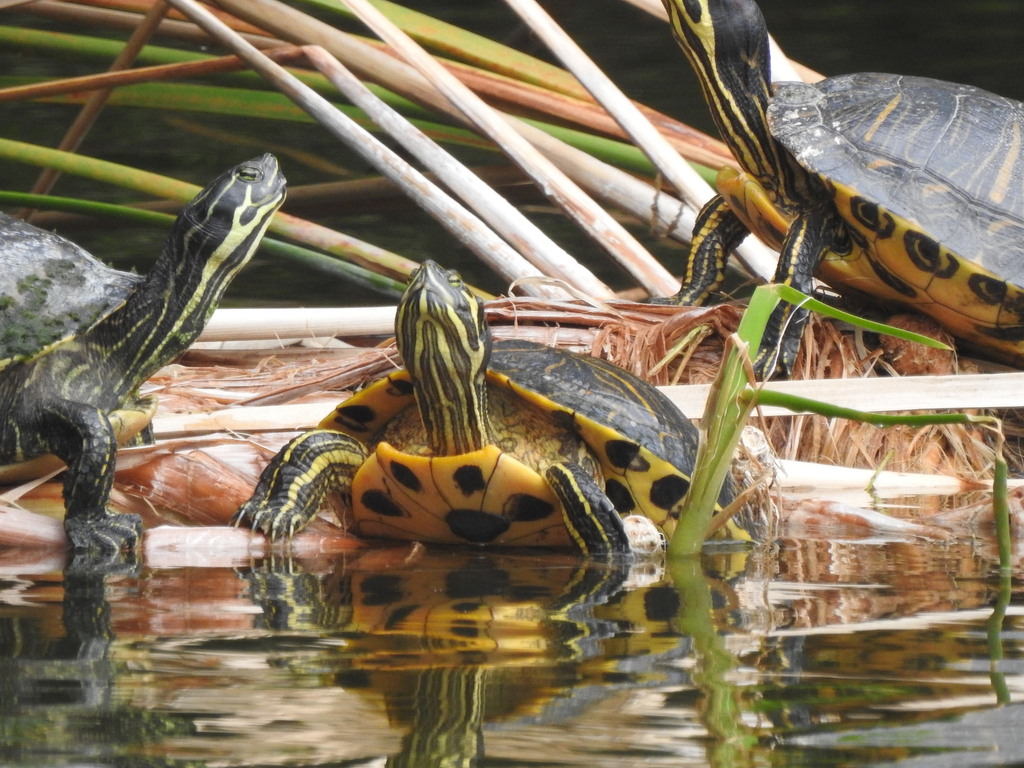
(905, 189)
(80, 337)
(478, 442)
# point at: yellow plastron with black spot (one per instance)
(482, 497)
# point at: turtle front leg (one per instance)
(808, 238)
(590, 517)
(295, 483)
(82, 437)
(716, 232)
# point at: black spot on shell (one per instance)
(950, 268)
(623, 454)
(355, 417)
(620, 495)
(476, 526)
(926, 254)
(870, 216)
(406, 476)
(1013, 307)
(896, 283)
(989, 290)
(668, 491)
(522, 507)
(469, 478)
(400, 388)
(1004, 332)
(380, 503)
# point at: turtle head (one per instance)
(726, 42)
(445, 343)
(219, 230)
(212, 238)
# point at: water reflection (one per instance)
(457, 641)
(823, 653)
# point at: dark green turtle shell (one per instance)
(928, 177)
(50, 289)
(605, 394)
(945, 157)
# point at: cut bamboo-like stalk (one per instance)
(925, 393)
(594, 220)
(505, 218)
(1003, 390)
(258, 418)
(693, 189)
(298, 323)
(825, 477)
(466, 227)
(758, 258)
(377, 66)
(662, 212)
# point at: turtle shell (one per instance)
(643, 444)
(646, 446)
(50, 289)
(929, 178)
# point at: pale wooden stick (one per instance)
(504, 217)
(881, 395)
(758, 258)
(661, 211)
(594, 220)
(375, 65)
(693, 189)
(900, 393)
(469, 229)
(298, 323)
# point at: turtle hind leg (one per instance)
(295, 483)
(716, 233)
(81, 435)
(808, 238)
(591, 518)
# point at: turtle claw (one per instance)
(91, 563)
(105, 536)
(277, 524)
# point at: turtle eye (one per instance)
(249, 174)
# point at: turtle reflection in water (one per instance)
(513, 444)
(78, 338)
(454, 641)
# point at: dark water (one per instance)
(972, 42)
(820, 653)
